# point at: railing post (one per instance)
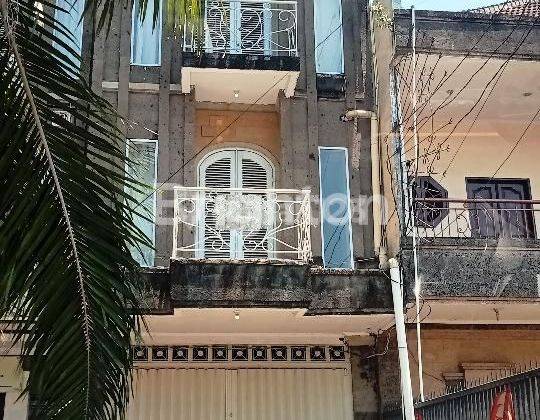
(175, 225)
(308, 225)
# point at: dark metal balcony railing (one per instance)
(261, 27)
(475, 218)
(520, 393)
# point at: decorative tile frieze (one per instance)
(279, 353)
(220, 354)
(239, 353)
(140, 354)
(200, 354)
(317, 354)
(160, 354)
(180, 354)
(337, 353)
(259, 353)
(298, 354)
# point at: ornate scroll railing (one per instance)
(241, 223)
(246, 27)
(475, 218)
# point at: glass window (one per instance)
(145, 38)
(69, 15)
(143, 158)
(328, 37)
(335, 208)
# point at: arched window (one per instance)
(226, 228)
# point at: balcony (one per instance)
(484, 219)
(480, 248)
(242, 224)
(243, 48)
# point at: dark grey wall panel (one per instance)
(457, 268)
(469, 33)
(143, 115)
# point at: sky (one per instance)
(448, 5)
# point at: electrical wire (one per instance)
(514, 147)
(227, 127)
(208, 144)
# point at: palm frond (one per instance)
(67, 278)
(176, 12)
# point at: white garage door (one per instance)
(241, 394)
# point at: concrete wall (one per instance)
(474, 268)
(255, 130)
(383, 52)
(365, 383)
(465, 350)
(291, 132)
(476, 352)
(455, 33)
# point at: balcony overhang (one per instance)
(260, 326)
(239, 78)
(249, 284)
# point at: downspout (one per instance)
(405, 371)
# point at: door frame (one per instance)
(530, 233)
(235, 242)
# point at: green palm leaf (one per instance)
(67, 279)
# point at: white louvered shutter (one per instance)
(232, 169)
(217, 171)
(254, 172)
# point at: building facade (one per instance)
(290, 148)
(259, 303)
(458, 113)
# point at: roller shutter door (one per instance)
(241, 394)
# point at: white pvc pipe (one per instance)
(406, 386)
(417, 279)
(358, 113)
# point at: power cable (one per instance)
(447, 101)
(513, 149)
(227, 127)
(472, 124)
(201, 150)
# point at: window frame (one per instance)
(349, 207)
(342, 42)
(154, 199)
(419, 191)
(79, 37)
(158, 27)
(236, 154)
(531, 229)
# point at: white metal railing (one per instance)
(242, 223)
(475, 218)
(246, 27)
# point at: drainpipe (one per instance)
(406, 386)
(377, 201)
(351, 115)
